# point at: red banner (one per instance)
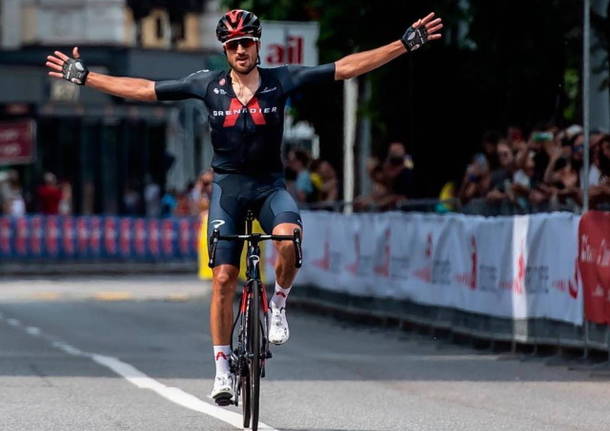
(594, 264)
(17, 143)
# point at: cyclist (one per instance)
(246, 110)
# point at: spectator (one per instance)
(524, 181)
(131, 200)
(202, 193)
(168, 203)
(299, 162)
(65, 204)
(381, 197)
(514, 137)
(13, 202)
(489, 144)
(152, 198)
(49, 195)
(183, 207)
(398, 170)
(324, 180)
(501, 178)
(561, 177)
(600, 193)
(476, 181)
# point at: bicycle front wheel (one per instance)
(255, 354)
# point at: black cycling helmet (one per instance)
(236, 24)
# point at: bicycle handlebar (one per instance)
(256, 238)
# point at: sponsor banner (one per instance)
(125, 237)
(110, 237)
(594, 264)
(6, 237)
(98, 238)
(286, 42)
(168, 237)
(68, 236)
(36, 237)
(514, 267)
(52, 236)
(140, 241)
(154, 241)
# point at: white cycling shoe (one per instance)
(222, 392)
(278, 326)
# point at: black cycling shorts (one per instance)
(233, 195)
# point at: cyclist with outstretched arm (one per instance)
(246, 115)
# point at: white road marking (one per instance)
(142, 381)
(32, 330)
(13, 322)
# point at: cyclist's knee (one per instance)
(225, 278)
(285, 248)
(286, 229)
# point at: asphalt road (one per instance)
(133, 353)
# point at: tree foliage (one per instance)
(500, 63)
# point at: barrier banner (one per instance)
(82, 237)
(125, 237)
(140, 238)
(68, 235)
(186, 231)
(52, 236)
(514, 267)
(36, 237)
(6, 237)
(22, 237)
(154, 244)
(168, 237)
(110, 237)
(97, 238)
(594, 264)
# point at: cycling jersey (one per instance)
(246, 138)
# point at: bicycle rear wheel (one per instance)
(254, 351)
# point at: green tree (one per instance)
(500, 63)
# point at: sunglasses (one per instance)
(245, 43)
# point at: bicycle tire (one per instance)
(245, 403)
(245, 368)
(255, 351)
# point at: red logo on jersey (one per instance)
(236, 109)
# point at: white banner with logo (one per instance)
(514, 267)
(289, 42)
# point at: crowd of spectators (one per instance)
(543, 171)
(313, 183)
(512, 173)
(50, 197)
(392, 180)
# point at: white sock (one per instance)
(278, 300)
(221, 357)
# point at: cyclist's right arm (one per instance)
(129, 88)
(74, 70)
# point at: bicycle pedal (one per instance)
(223, 401)
(268, 355)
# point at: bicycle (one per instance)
(252, 349)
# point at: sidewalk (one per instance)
(66, 268)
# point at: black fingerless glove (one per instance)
(414, 38)
(75, 71)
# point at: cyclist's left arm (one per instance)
(422, 31)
